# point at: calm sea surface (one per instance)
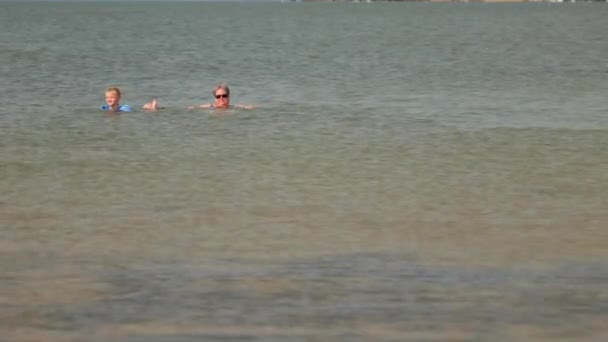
(410, 172)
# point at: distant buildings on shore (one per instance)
(449, 0)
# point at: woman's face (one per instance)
(222, 99)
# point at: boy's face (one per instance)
(112, 98)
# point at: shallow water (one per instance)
(411, 172)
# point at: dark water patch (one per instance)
(324, 297)
(341, 291)
(211, 337)
(194, 337)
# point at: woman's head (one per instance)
(221, 93)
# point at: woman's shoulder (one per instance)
(241, 106)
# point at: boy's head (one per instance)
(112, 96)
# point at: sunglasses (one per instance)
(221, 96)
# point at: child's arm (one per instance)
(151, 106)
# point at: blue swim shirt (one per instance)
(121, 108)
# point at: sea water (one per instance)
(410, 171)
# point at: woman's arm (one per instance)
(243, 106)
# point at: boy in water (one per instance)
(113, 96)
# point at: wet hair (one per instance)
(114, 90)
(221, 86)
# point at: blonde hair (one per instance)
(114, 90)
(221, 86)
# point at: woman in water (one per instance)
(221, 93)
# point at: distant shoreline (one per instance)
(479, 1)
